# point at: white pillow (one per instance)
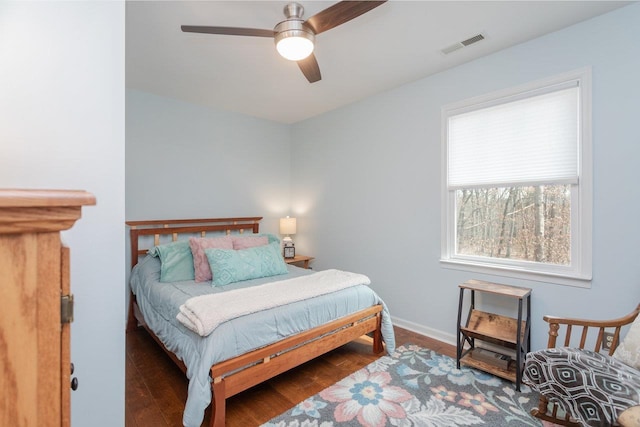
(628, 352)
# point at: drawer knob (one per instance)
(74, 384)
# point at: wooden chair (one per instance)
(563, 327)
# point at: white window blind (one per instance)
(527, 141)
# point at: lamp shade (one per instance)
(295, 47)
(287, 226)
(293, 40)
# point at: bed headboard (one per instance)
(138, 230)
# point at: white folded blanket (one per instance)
(204, 313)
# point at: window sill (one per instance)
(517, 273)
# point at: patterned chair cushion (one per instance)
(594, 388)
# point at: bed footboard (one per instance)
(270, 361)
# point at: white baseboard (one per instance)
(445, 337)
(424, 330)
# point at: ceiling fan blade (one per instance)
(340, 13)
(310, 69)
(231, 31)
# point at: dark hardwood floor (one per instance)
(156, 389)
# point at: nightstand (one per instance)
(300, 259)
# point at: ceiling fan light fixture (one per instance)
(293, 41)
(295, 37)
(294, 48)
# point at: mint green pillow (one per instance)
(229, 266)
(271, 237)
(176, 261)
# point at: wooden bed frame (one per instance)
(266, 362)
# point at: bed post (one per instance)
(377, 335)
(132, 323)
(218, 400)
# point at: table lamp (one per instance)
(288, 227)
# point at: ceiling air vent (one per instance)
(471, 40)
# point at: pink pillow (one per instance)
(246, 242)
(200, 261)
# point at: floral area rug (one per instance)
(414, 386)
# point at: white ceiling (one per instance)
(391, 45)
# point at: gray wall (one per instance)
(366, 180)
(62, 126)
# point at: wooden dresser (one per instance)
(37, 305)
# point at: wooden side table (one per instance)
(503, 331)
(300, 259)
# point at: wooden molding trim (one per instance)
(41, 210)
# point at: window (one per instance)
(517, 182)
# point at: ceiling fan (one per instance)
(295, 37)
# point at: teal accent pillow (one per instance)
(229, 266)
(271, 237)
(176, 261)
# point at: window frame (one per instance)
(579, 272)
